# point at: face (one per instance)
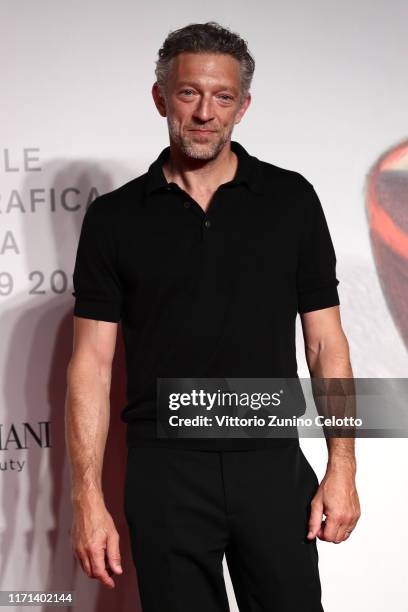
(201, 102)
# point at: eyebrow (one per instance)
(193, 84)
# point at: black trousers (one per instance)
(186, 508)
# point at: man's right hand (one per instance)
(94, 538)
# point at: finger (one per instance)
(83, 560)
(346, 532)
(97, 557)
(331, 528)
(340, 534)
(315, 519)
(113, 552)
(320, 533)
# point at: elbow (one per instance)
(336, 344)
(329, 354)
(83, 370)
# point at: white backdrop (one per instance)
(77, 118)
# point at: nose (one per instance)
(204, 109)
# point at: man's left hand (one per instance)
(337, 498)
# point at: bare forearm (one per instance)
(86, 427)
(332, 360)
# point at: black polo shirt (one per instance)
(204, 294)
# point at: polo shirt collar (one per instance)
(248, 171)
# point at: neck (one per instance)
(200, 175)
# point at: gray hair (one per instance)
(208, 37)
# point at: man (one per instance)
(206, 259)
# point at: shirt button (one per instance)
(187, 204)
(207, 223)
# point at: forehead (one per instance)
(204, 66)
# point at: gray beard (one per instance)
(195, 150)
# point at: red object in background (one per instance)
(387, 212)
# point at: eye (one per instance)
(226, 97)
(183, 91)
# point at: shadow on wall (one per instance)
(39, 349)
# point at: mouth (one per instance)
(203, 131)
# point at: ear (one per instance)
(243, 108)
(159, 99)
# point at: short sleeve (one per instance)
(97, 286)
(316, 270)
